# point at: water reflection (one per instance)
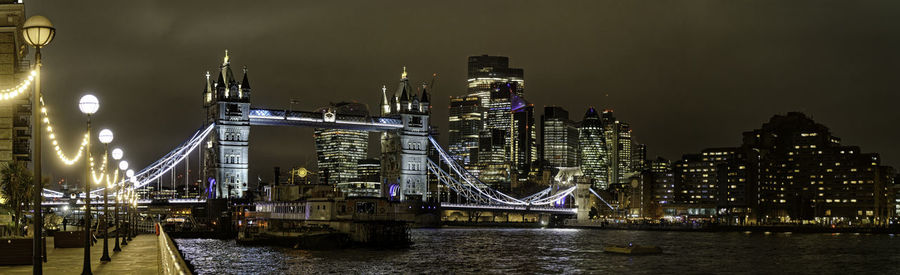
(564, 251)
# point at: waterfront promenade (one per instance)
(140, 256)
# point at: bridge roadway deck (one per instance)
(140, 256)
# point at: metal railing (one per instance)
(170, 260)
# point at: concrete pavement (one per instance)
(140, 256)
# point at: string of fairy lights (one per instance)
(11, 93)
(115, 179)
(98, 179)
(96, 176)
(62, 156)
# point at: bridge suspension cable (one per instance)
(169, 161)
(464, 183)
(149, 173)
(601, 199)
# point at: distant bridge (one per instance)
(404, 119)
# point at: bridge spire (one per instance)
(424, 105)
(220, 86)
(424, 92)
(226, 60)
(403, 91)
(385, 105)
(226, 77)
(207, 93)
(245, 83)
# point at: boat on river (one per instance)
(631, 249)
(328, 223)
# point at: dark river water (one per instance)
(565, 251)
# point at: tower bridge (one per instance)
(405, 167)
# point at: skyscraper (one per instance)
(524, 136)
(499, 107)
(485, 71)
(497, 160)
(465, 124)
(559, 138)
(593, 156)
(618, 147)
(369, 170)
(638, 157)
(339, 151)
(490, 83)
(493, 167)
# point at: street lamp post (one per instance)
(122, 166)
(88, 106)
(136, 212)
(128, 210)
(38, 32)
(105, 136)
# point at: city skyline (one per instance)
(281, 75)
(470, 137)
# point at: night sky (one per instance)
(687, 75)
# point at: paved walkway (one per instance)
(140, 256)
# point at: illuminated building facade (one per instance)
(499, 107)
(465, 124)
(639, 157)
(494, 169)
(792, 170)
(491, 85)
(499, 160)
(559, 138)
(339, 151)
(368, 170)
(697, 180)
(618, 147)
(524, 146)
(485, 72)
(806, 174)
(15, 114)
(593, 156)
(663, 182)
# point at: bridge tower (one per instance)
(404, 152)
(227, 104)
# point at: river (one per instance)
(566, 251)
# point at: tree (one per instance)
(16, 186)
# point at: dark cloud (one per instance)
(686, 74)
